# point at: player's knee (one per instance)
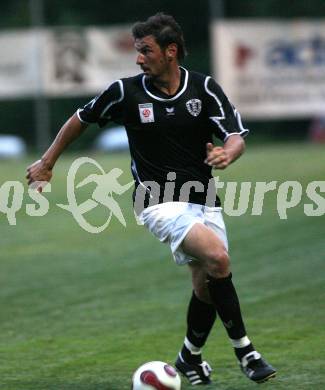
(219, 263)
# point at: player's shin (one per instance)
(200, 319)
(224, 297)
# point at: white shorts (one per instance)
(170, 222)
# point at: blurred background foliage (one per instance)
(17, 116)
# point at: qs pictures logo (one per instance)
(238, 198)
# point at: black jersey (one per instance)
(168, 133)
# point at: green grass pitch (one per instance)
(82, 311)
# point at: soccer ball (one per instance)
(156, 376)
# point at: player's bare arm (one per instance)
(220, 157)
(41, 170)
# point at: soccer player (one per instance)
(171, 115)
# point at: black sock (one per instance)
(225, 300)
(189, 357)
(241, 352)
(200, 319)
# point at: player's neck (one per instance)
(169, 82)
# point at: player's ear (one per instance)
(171, 51)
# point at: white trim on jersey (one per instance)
(110, 104)
(217, 119)
(167, 99)
(225, 132)
(216, 99)
(93, 102)
(81, 120)
(243, 131)
(240, 123)
(230, 134)
(137, 178)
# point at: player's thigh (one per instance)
(203, 243)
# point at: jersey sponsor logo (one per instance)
(194, 106)
(146, 113)
(170, 111)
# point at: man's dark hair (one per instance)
(164, 29)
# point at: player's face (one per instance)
(151, 58)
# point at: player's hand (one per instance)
(217, 157)
(38, 174)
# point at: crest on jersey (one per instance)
(146, 113)
(194, 106)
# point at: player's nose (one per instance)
(140, 59)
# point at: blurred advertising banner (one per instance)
(85, 61)
(18, 64)
(64, 61)
(271, 69)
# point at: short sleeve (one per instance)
(107, 106)
(224, 116)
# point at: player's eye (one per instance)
(145, 51)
